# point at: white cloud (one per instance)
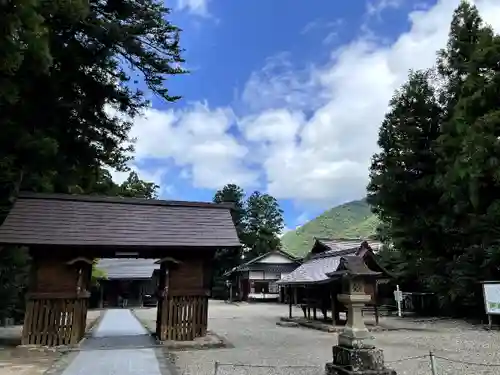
(311, 132)
(376, 7)
(197, 7)
(198, 140)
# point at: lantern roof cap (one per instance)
(351, 265)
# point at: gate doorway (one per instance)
(67, 233)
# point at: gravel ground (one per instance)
(252, 330)
(28, 362)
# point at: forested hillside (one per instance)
(350, 220)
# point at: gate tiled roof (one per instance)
(79, 220)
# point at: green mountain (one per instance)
(350, 220)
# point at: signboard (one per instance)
(398, 295)
(492, 298)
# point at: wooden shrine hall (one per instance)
(315, 285)
(66, 233)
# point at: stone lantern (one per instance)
(356, 352)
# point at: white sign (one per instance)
(492, 298)
(398, 295)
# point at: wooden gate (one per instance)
(184, 318)
(54, 320)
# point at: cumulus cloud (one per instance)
(197, 139)
(307, 135)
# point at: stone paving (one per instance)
(128, 349)
(257, 340)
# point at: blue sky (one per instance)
(285, 96)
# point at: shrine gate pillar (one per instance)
(57, 301)
(183, 311)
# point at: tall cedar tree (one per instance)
(264, 224)
(74, 116)
(455, 242)
(468, 151)
(67, 99)
(401, 189)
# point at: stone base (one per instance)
(357, 361)
(331, 369)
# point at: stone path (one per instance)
(118, 346)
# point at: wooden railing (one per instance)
(184, 318)
(54, 320)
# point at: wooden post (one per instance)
(332, 302)
(290, 302)
(375, 301)
(160, 295)
(308, 294)
(101, 290)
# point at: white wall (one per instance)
(256, 275)
(272, 276)
(261, 275)
(275, 258)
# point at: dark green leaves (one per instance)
(435, 184)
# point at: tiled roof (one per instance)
(345, 244)
(78, 220)
(254, 264)
(269, 267)
(315, 269)
(340, 244)
(128, 268)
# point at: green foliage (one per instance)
(350, 220)
(226, 259)
(14, 269)
(97, 273)
(234, 194)
(67, 77)
(258, 221)
(264, 219)
(134, 187)
(434, 184)
(401, 190)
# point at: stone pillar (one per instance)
(356, 352)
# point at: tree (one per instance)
(401, 189)
(72, 64)
(264, 224)
(14, 270)
(234, 194)
(468, 149)
(83, 126)
(226, 259)
(23, 38)
(453, 242)
(258, 221)
(453, 62)
(137, 188)
(97, 273)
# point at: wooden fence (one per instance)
(184, 318)
(54, 321)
